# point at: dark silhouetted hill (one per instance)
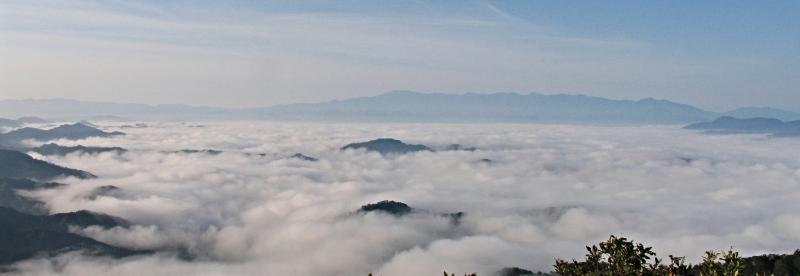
(14, 164)
(304, 157)
(387, 146)
(13, 139)
(400, 209)
(106, 190)
(773, 264)
(25, 236)
(516, 271)
(54, 149)
(73, 132)
(387, 206)
(11, 197)
(84, 218)
(459, 147)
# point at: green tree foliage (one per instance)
(731, 264)
(620, 256)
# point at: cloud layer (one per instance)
(548, 191)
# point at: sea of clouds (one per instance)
(548, 191)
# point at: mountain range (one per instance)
(499, 107)
(763, 112)
(21, 121)
(73, 132)
(24, 235)
(14, 138)
(26, 229)
(55, 149)
(405, 106)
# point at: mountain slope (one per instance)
(11, 197)
(14, 164)
(24, 236)
(8, 123)
(763, 112)
(728, 124)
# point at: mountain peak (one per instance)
(387, 146)
(388, 206)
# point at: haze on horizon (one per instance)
(716, 55)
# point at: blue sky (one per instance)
(714, 54)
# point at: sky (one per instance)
(716, 55)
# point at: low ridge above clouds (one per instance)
(763, 112)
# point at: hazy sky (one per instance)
(714, 54)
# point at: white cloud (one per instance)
(549, 191)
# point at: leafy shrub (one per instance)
(619, 256)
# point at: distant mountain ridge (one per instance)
(498, 107)
(731, 125)
(73, 132)
(406, 106)
(75, 108)
(763, 112)
(13, 139)
(21, 121)
(54, 149)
